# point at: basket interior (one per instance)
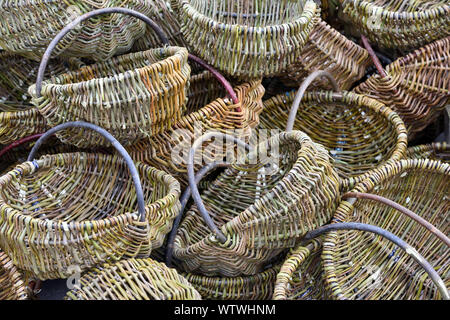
(204, 88)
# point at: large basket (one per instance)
(28, 26)
(79, 209)
(12, 286)
(363, 266)
(327, 49)
(134, 96)
(416, 86)
(254, 38)
(361, 133)
(403, 24)
(435, 151)
(254, 211)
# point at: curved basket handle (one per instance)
(184, 200)
(88, 15)
(301, 91)
(116, 144)
(373, 56)
(224, 82)
(193, 185)
(401, 209)
(437, 280)
(19, 142)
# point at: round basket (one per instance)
(364, 266)
(79, 209)
(133, 279)
(360, 133)
(416, 86)
(12, 286)
(255, 38)
(256, 208)
(435, 151)
(28, 26)
(134, 96)
(403, 24)
(327, 49)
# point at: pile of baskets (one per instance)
(140, 149)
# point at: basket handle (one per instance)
(301, 91)
(88, 15)
(116, 144)
(192, 182)
(403, 210)
(437, 280)
(373, 56)
(19, 142)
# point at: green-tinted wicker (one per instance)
(435, 151)
(12, 286)
(207, 110)
(18, 117)
(403, 24)
(359, 265)
(133, 279)
(28, 26)
(301, 275)
(360, 133)
(327, 49)
(79, 209)
(416, 86)
(260, 212)
(133, 96)
(247, 38)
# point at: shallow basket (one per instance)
(360, 133)
(12, 286)
(402, 24)
(28, 26)
(416, 86)
(365, 266)
(439, 151)
(255, 38)
(259, 209)
(79, 209)
(327, 49)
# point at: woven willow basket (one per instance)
(255, 38)
(416, 86)
(12, 286)
(327, 49)
(361, 133)
(26, 27)
(403, 24)
(364, 266)
(18, 117)
(79, 209)
(208, 108)
(254, 211)
(439, 151)
(133, 279)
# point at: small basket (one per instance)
(361, 133)
(133, 279)
(435, 151)
(327, 49)
(28, 26)
(79, 209)
(12, 286)
(416, 86)
(255, 38)
(363, 266)
(402, 24)
(133, 96)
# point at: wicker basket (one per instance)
(12, 286)
(327, 49)
(361, 133)
(403, 24)
(134, 96)
(260, 208)
(363, 266)
(78, 209)
(416, 86)
(28, 26)
(133, 279)
(255, 38)
(435, 151)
